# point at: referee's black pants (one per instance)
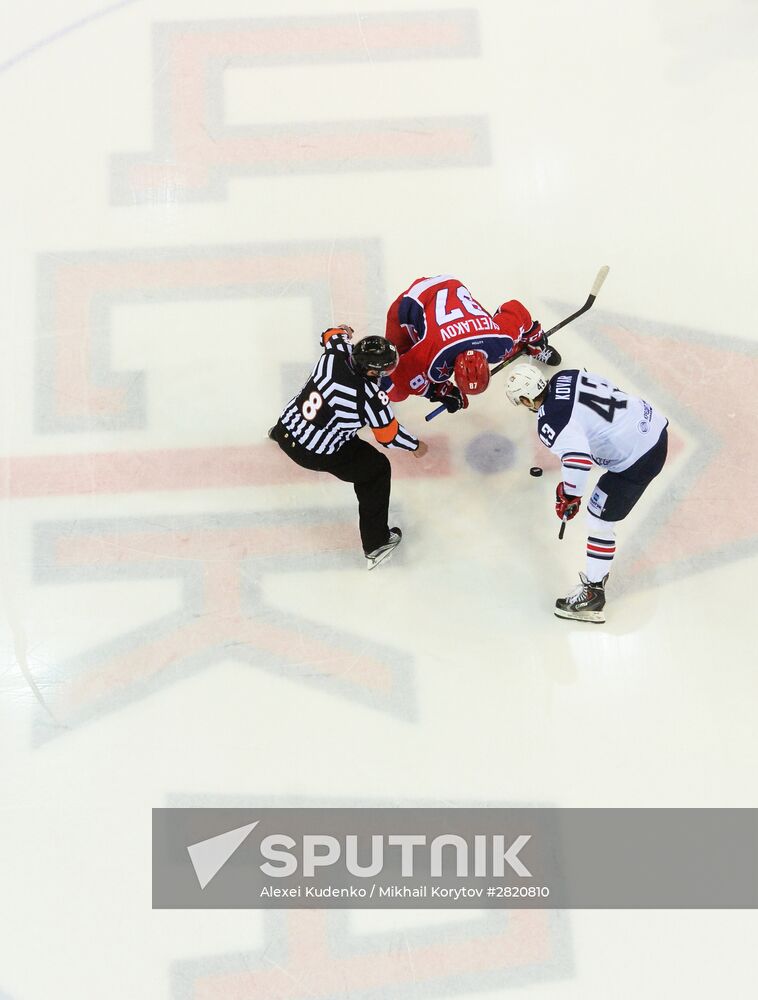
(358, 463)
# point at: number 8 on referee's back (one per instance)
(311, 406)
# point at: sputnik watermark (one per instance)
(340, 857)
(489, 855)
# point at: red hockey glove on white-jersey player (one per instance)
(566, 505)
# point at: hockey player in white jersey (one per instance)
(585, 420)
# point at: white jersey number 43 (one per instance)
(601, 400)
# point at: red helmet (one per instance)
(472, 373)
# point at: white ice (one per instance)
(185, 623)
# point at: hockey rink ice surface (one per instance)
(191, 193)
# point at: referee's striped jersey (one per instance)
(337, 401)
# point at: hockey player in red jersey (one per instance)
(440, 330)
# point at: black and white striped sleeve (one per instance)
(384, 425)
(336, 340)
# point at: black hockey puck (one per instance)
(535, 471)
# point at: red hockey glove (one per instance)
(533, 341)
(449, 395)
(566, 506)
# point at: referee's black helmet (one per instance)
(376, 355)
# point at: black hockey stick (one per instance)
(602, 274)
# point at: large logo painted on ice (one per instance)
(221, 562)
(700, 512)
(77, 386)
(195, 151)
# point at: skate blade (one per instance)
(594, 617)
(382, 557)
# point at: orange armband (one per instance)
(344, 329)
(387, 433)
(329, 333)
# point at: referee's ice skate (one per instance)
(384, 552)
(585, 603)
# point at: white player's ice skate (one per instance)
(585, 603)
(384, 552)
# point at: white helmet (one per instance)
(524, 380)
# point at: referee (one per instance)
(318, 430)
